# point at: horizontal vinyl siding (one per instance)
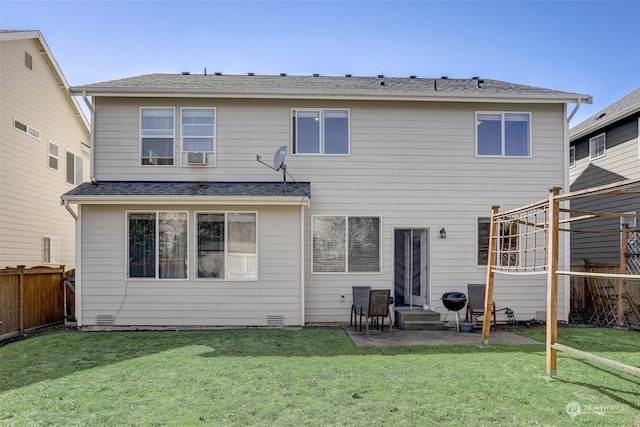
(412, 164)
(105, 291)
(29, 190)
(620, 162)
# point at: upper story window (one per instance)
(320, 131)
(53, 155)
(29, 130)
(597, 146)
(50, 250)
(572, 156)
(198, 136)
(345, 244)
(157, 135)
(503, 134)
(75, 168)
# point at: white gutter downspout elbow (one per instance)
(65, 203)
(573, 113)
(92, 137)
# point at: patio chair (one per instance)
(475, 303)
(360, 303)
(378, 308)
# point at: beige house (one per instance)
(44, 153)
(191, 220)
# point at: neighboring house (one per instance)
(605, 148)
(394, 182)
(44, 153)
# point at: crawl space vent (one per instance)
(104, 320)
(275, 320)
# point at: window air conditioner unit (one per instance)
(196, 158)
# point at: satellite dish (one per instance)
(278, 158)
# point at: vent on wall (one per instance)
(28, 61)
(275, 320)
(104, 320)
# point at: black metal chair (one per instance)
(360, 303)
(475, 303)
(378, 308)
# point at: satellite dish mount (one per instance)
(278, 164)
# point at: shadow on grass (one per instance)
(612, 393)
(64, 352)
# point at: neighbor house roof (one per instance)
(194, 192)
(326, 87)
(624, 107)
(13, 35)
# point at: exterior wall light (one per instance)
(443, 233)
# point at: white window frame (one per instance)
(55, 156)
(227, 269)
(631, 222)
(78, 168)
(503, 141)
(211, 154)
(172, 137)
(484, 220)
(29, 130)
(572, 156)
(50, 249)
(346, 247)
(157, 246)
(321, 112)
(593, 146)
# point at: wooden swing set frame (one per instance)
(531, 247)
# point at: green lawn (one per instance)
(312, 376)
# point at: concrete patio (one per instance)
(403, 337)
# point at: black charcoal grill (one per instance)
(454, 301)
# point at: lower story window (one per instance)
(507, 252)
(227, 245)
(158, 245)
(345, 244)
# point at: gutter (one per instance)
(191, 200)
(346, 95)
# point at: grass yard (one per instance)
(311, 376)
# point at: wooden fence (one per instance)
(30, 298)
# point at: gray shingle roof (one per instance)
(161, 189)
(624, 107)
(328, 86)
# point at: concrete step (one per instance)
(419, 319)
(417, 314)
(420, 325)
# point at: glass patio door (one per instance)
(411, 257)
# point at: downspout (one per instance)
(575, 109)
(566, 237)
(302, 307)
(65, 203)
(92, 137)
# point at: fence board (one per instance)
(30, 298)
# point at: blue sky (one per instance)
(588, 47)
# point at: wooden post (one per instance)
(491, 258)
(552, 281)
(624, 239)
(21, 298)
